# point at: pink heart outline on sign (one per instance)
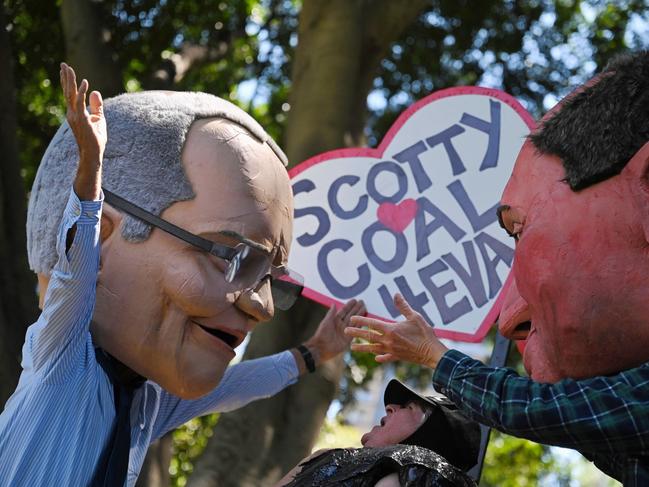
(401, 222)
(397, 217)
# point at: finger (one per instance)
(81, 96)
(96, 104)
(64, 79)
(403, 307)
(358, 309)
(369, 335)
(330, 312)
(65, 83)
(350, 323)
(359, 321)
(351, 313)
(384, 358)
(345, 311)
(375, 348)
(72, 85)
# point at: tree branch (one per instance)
(86, 46)
(385, 22)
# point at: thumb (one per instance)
(403, 307)
(96, 104)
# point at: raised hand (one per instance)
(89, 130)
(412, 340)
(329, 340)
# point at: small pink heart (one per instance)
(397, 217)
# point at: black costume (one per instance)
(364, 467)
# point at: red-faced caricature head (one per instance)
(577, 205)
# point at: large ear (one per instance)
(110, 221)
(637, 173)
(43, 282)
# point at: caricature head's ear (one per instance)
(43, 282)
(637, 173)
(110, 221)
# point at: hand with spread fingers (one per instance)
(89, 130)
(330, 339)
(412, 340)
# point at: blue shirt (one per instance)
(56, 424)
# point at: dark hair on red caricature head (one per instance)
(597, 130)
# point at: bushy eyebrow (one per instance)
(247, 241)
(499, 212)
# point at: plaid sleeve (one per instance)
(603, 414)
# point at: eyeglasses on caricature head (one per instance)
(247, 262)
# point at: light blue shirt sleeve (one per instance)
(242, 383)
(58, 339)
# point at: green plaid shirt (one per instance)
(605, 418)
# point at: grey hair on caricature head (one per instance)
(142, 162)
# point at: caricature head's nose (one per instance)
(258, 301)
(514, 320)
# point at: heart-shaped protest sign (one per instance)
(416, 215)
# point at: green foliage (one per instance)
(188, 443)
(336, 434)
(144, 36)
(513, 462)
(535, 50)
(244, 40)
(37, 45)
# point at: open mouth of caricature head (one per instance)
(521, 331)
(229, 339)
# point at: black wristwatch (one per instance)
(308, 358)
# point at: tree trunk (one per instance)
(254, 445)
(385, 21)
(155, 471)
(336, 62)
(258, 444)
(18, 298)
(87, 49)
(325, 77)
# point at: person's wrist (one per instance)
(435, 354)
(91, 158)
(316, 351)
(307, 358)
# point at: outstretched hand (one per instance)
(329, 340)
(412, 340)
(89, 130)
